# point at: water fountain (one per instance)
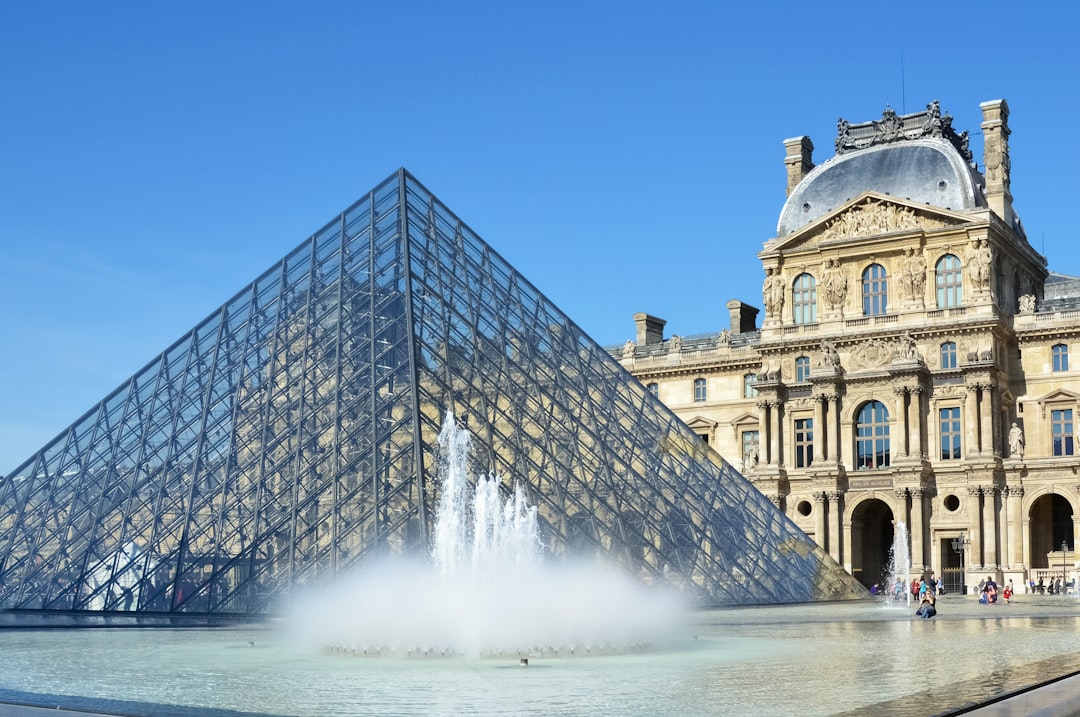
(898, 581)
(487, 591)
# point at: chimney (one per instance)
(650, 330)
(995, 127)
(743, 317)
(798, 160)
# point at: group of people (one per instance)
(988, 591)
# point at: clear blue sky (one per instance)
(624, 156)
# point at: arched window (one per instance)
(804, 299)
(1060, 353)
(700, 392)
(950, 282)
(875, 290)
(802, 369)
(654, 389)
(872, 436)
(948, 355)
(749, 385)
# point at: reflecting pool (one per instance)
(806, 659)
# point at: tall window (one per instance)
(948, 355)
(950, 433)
(804, 442)
(700, 393)
(875, 290)
(654, 389)
(950, 281)
(1060, 353)
(749, 385)
(1061, 428)
(802, 369)
(872, 436)
(750, 448)
(804, 299)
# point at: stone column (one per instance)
(975, 528)
(971, 422)
(840, 542)
(763, 432)
(916, 409)
(901, 421)
(822, 436)
(1013, 525)
(986, 420)
(990, 513)
(836, 449)
(918, 550)
(776, 457)
(821, 501)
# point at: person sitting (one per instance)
(926, 609)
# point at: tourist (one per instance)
(940, 587)
(926, 608)
(1008, 593)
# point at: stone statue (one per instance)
(1027, 304)
(725, 337)
(979, 264)
(829, 355)
(1016, 441)
(907, 348)
(752, 456)
(773, 292)
(834, 285)
(676, 343)
(628, 349)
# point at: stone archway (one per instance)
(871, 539)
(1050, 523)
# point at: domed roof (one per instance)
(913, 157)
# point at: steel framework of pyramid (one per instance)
(291, 436)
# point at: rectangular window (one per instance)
(950, 433)
(1061, 357)
(1061, 428)
(700, 394)
(804, 442)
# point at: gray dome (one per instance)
(926, 171)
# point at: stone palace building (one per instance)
(911, 365)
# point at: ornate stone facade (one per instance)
(923, 378)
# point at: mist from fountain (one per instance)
(899, 570)
(487, 589)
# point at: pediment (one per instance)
(746, 419)
(701, 422)
(870, 214)
(1058, 395)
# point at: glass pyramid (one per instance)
(291, 436)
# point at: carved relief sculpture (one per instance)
(875, 217)
(1027, 304)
